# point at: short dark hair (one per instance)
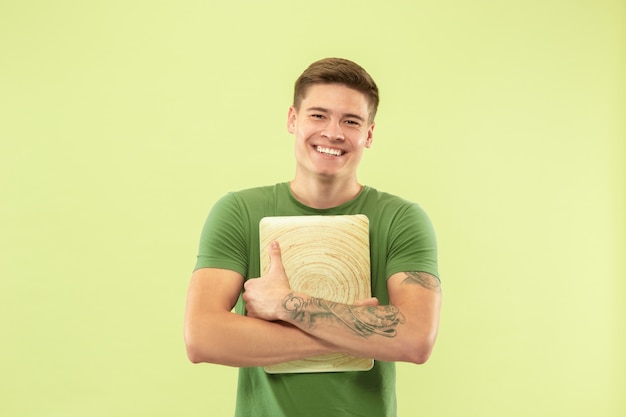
(337, 71)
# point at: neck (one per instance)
(324, 194)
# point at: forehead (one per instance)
(335, 96)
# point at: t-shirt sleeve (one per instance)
(413, 245)
(223, 238)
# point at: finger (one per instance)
(275, 256)
(372, 301)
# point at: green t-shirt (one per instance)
(401, 239)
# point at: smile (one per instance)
(329, 151)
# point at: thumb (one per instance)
(276, 260)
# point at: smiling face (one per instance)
(331, 129)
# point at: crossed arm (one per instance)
(284, 325)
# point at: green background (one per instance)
(121, 123)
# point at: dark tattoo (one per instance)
(423, 279)
(363, 321)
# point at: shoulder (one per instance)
(255, 193)
(388, 203)
(397, 217)
(251, 196)
(251, 204)
(407, 234)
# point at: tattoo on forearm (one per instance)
(363, 321)
(423, 279)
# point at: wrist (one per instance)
(292, 307)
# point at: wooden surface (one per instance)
(326, 257)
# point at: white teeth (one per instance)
(328, 151)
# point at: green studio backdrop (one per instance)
(122, 122)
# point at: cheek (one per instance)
(300, 145)
(305, 132)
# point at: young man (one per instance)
(332, 120)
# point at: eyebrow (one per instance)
(324, 110)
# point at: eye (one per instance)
(317, 116)
(353, 122)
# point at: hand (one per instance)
(264, 295)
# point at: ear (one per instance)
(370, 136)
(291, 120)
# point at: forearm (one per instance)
(403, 331)
(381, 332)
(230, 339)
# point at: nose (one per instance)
(333, 131)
